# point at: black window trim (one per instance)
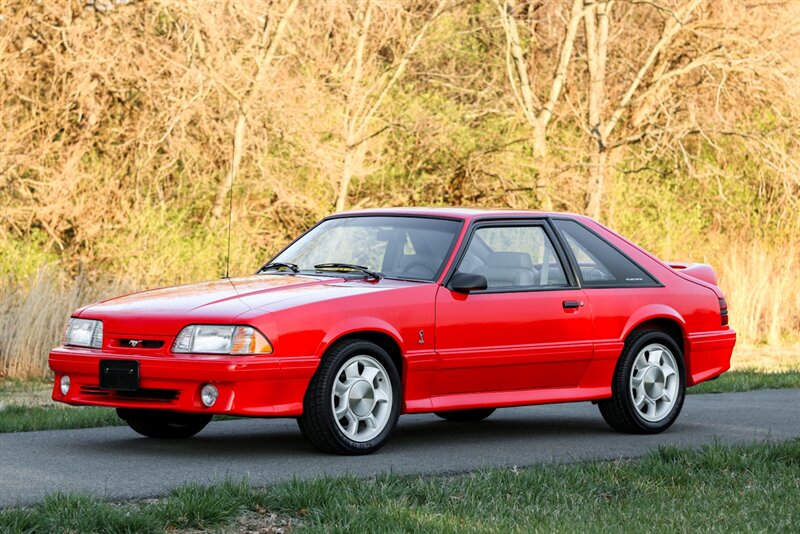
(575, 266)
(476, 224)
(404, 215)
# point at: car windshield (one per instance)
(409, 248)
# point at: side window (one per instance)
(514, 257)
(600, 264)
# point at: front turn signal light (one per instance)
(248, 340)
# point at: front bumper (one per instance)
(248, 385)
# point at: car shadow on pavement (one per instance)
(282, 438)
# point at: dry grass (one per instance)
(763, 291)
(769, 358)
(33, 318)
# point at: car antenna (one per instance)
(230, 223)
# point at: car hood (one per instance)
(165, 311)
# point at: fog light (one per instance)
(64, 384)
(209, 395)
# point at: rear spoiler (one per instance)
(700, 271)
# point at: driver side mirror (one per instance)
(466, 282)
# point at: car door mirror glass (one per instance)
(466, 282)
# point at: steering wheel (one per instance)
(419, 265)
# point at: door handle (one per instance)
(572, 304)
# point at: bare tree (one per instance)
(365, 95)
(596, 25)
(537, 111)
(268, 46)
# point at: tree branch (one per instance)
(524, 93)
(671, 28)
(576, 13)
(401, 66)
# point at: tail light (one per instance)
(723, 311)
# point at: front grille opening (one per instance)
(91, 390)
(150, 394)
(141, 343)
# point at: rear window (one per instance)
(599, 263)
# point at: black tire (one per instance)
(466, 416)
(318, 424)
(161, 424)
(619, 411)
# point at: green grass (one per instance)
(24, 418)
(28, 418)
(718, 489)
(10, 387)
(748, 380)
(25, 406)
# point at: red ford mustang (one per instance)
(375, 313)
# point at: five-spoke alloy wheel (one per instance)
(353, 401)
(654, 382)
(361, 398)
(649, 385)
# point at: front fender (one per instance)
(353, 325)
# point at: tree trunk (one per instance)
(225, 185)
(597, 181)
(542, 185)
(347, 176)
(355, 153)
(596, 27)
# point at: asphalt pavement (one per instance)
(116, 463)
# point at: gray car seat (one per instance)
(509, 269)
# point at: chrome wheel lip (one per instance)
(654, 383)
(361, 398)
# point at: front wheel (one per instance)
(353, 401)
(163, 424)
(648, 387)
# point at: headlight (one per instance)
(84, 333)
(221, 339)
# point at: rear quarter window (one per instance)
(599, 263)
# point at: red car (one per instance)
(371, 314)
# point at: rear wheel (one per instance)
(648, 387)
(163, 424)
(466, 416)
(353, 401)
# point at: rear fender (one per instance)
(650, 312)
(660, 312)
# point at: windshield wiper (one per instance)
(348, 266)
(278, 265)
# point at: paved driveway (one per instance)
(116, 463)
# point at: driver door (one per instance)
(529, 329)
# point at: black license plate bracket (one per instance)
(119, 375)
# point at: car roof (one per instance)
(457, 213)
